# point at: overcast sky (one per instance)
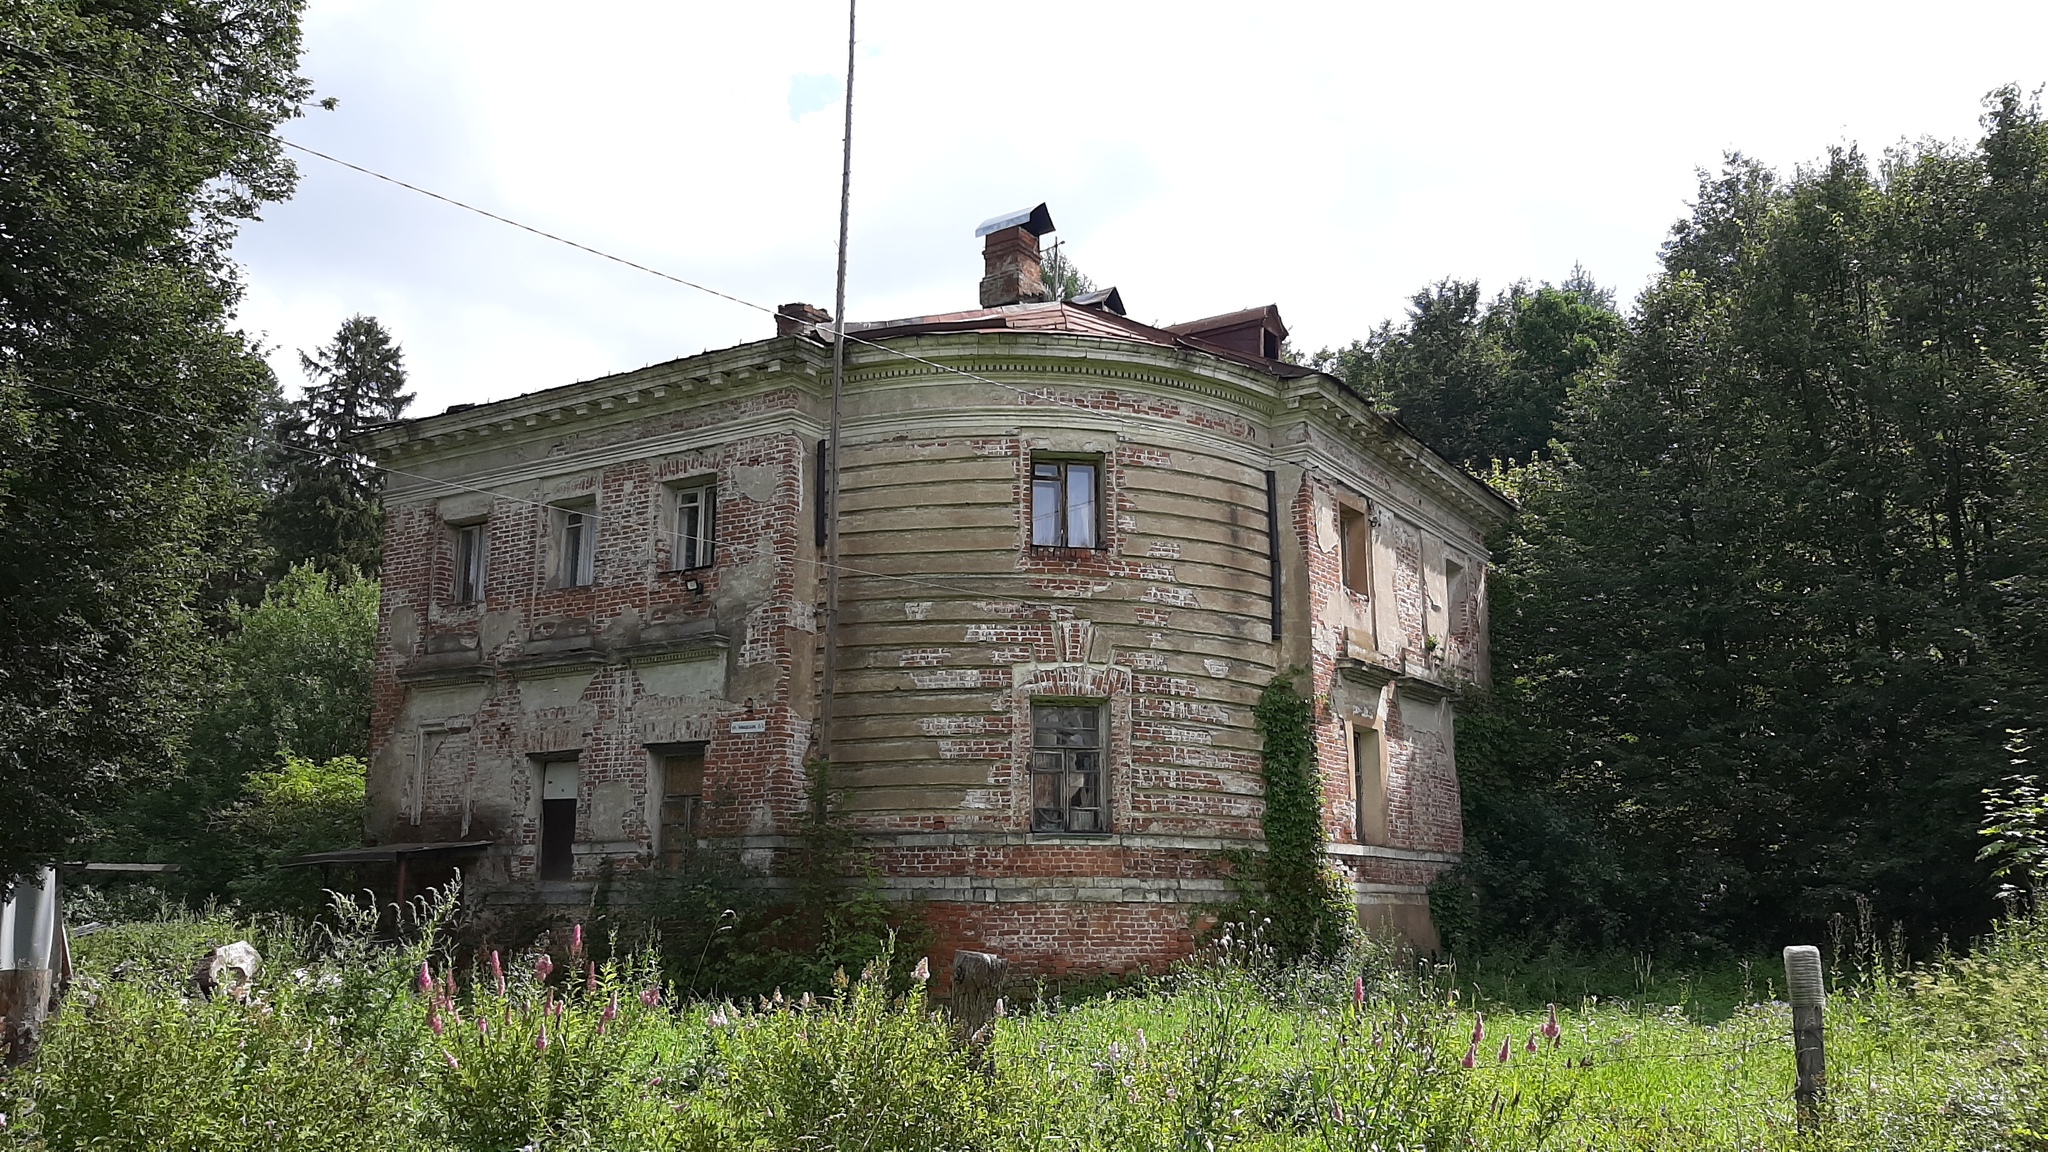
(1330, 158)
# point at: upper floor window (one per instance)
(1066, 503)
(695, 536)
(1066, 769)
(471, 546)
(1355, 547)
(1457, 597)
(577, 533)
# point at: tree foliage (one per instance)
(291, 681)
(324, 509)
(1776, 608)
(1483, 382)
(134, 141)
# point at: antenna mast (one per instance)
(829, 674)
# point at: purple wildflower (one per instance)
(1478, 1027)
(1471, 1056)
(590, 977)
(540, 1039)
(1506, 1049)
(651, 997)
(434, 1022)
(498, 971)
(426, 979)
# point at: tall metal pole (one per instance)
(829, 673)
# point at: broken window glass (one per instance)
(1066, 769)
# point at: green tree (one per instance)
(325, 509)
(1776, 607)
(298, 807)
(136, 139)
(292, 680)
(1483, 382)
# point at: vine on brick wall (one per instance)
(1309, 911)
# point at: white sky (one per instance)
(1330, 158)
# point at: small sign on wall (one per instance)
(750, 725)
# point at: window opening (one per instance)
(682, 795)
(579, 547)
(1456, 594)
(1066, 508)
(469, 563)
(695, 535)
(1369, 785)
(558, 820)
(1066, 769)
(1355, 545)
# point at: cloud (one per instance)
(810, 91)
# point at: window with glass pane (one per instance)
(682, 794)
(469, 563)
(1066, 506)
(579, 547)
(1066, 769)
(693, 543)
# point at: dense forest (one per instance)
(1770, 624)
(1771, 620)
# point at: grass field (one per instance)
(341, 1044)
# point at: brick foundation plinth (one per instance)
(1066, 940)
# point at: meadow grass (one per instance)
(341, 1044)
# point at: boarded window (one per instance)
(696, 506)
(558, 819)
(1369, 784)
(578, 535)
(1066, 769)
(1355, 545)
(682, 795)
(1066, 503)
(470, 547)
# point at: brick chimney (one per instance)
(799, 318)
(1012, 273)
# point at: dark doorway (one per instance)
(558, 820)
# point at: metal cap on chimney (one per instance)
(1012, 273)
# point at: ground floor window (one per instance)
(1066, 769)
(682, 794)
(558, 819)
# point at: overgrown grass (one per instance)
(341, 1044)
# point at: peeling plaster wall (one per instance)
(952, 625)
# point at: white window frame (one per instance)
(693, 524)
(472, 547)
(576, 543)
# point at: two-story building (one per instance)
(1073, 549)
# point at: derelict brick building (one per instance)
(1074, 548)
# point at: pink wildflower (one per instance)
(590, 977)
(1478, 1027)
(923, 971)
(717, 1018)
(1531, 1045)
(426, 979)
(1506, 1049)
(1358, 992)
(611, 1010)
(1471, 1056)
(483, 1027)
(542, 967)
(452, 1062)
(434, 1022)
(651, 997)
(540, 1039)
(576, 941)
(1551, 1031)
(498, 971)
